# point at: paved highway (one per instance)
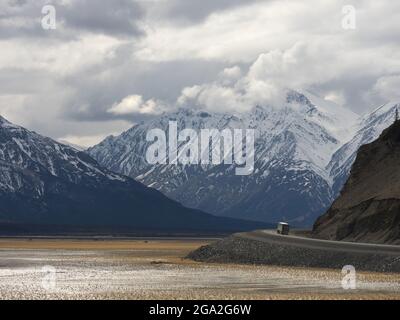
(270, 236)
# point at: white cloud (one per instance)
(267, 80)
(336, 97)
(134, 104)
(301, 65)
(302, 44)
(217, 97)
(232, 73)
(128, 105)
(188, 94)
(234, 35)
(62, 59)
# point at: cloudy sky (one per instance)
(109, 64)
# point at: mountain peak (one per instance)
(295, 145)
(4, 123)
(297, 97)
(292, 145)
(3, 120)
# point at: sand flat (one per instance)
(156, 269)
(145, 244)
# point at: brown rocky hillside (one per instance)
(368, 208)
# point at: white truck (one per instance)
(283, 228)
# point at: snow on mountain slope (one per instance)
(293, 145)
(339, 121)
(369, 127)
(43, 182)
(30, 151)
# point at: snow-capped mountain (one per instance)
(294, 144)
(48, 183)
(369, 127)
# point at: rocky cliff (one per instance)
(368, 208)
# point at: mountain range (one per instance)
(304, 150)
(43, 182)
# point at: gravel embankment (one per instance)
(247, 249)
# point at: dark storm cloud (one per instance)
(15, 81)
(196, 11)
(22, 18)
(17, 3)
(117, 17)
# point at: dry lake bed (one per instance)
(156, 269)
